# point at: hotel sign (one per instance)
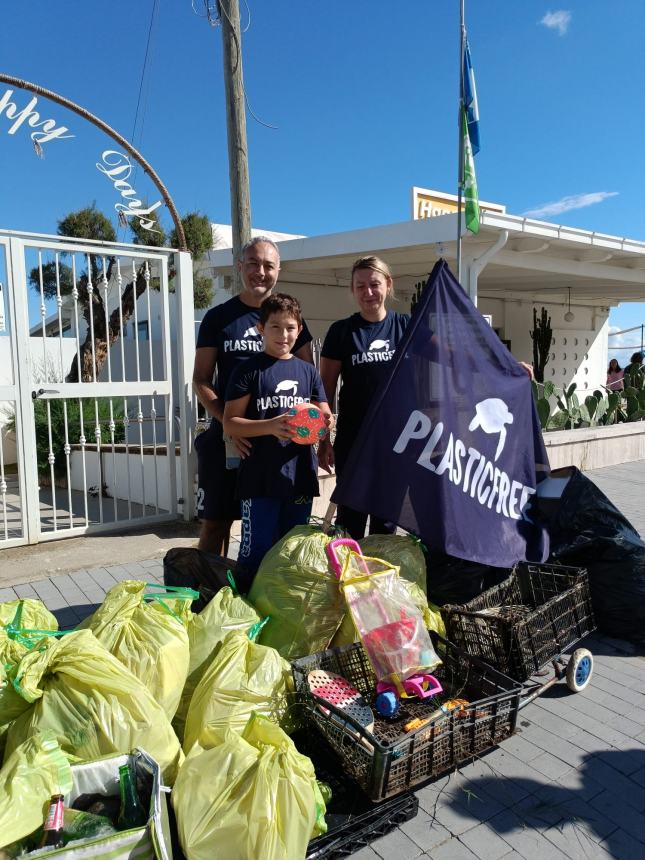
(432, 204)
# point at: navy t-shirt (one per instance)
(365, 350)
(276, 468)
(231, 328)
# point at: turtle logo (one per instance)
(287, 385)
(492, 415)
(379, 344)
(251, 332)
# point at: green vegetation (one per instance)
(599, 409)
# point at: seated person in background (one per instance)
(278, 479)
(615, 376)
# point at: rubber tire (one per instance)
(579, 669)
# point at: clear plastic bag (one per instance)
(391, 627)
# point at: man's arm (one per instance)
(203, 372)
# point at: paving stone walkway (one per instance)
(569, 784)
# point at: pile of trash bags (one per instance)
(197, 676)
(587, 530)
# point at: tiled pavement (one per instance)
(570, 783)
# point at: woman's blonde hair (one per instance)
(376, 265)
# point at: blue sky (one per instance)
(363, 95)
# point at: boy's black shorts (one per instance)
(216, 484)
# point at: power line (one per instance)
(141, 112)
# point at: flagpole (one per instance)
(460, 167)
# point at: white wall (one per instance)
(578, 349)
(50, 359)
(117, 478)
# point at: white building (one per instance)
(511, 266)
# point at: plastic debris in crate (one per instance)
(396, 755)
(527, 620)
(353, 820)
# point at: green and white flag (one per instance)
(471, 196)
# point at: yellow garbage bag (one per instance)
(34, 771)
(92, 703)
(242, 678)
(247, 796)
(402, 551)
(296, 589)
(21, 623)
(225, 612)
(144, 626)
(27, 613)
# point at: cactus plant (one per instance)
(541, 335)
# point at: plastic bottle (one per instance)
(132, 813)
(232, 454)
(52, 836)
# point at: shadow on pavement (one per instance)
(602, 815)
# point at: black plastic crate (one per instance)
(388, 760)
(540, 611)
(354, 821)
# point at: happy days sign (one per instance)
(116, 166)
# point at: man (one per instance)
(227, 335)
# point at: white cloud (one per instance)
(574, 201)
(557, 21)
(621, 346)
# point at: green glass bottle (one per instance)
(132, 813)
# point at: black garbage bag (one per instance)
(454, 580)
(203, 571)
(587, 530)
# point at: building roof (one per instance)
(541, 259)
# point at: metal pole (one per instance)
(61, 100)
(460, 168)
(238, 164)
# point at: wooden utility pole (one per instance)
(238, 164)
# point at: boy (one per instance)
(278, 479)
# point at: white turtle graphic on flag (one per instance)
(492, 415)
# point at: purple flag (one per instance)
(451, 448)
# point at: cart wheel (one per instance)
(579, 670)
(387, 704)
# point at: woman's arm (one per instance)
(235, 424)
(330, 374)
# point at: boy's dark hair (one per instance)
(278, 304)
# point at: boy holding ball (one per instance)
(279, 478)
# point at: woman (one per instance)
(615, 376)
(358, 350)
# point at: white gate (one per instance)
(94, 387)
